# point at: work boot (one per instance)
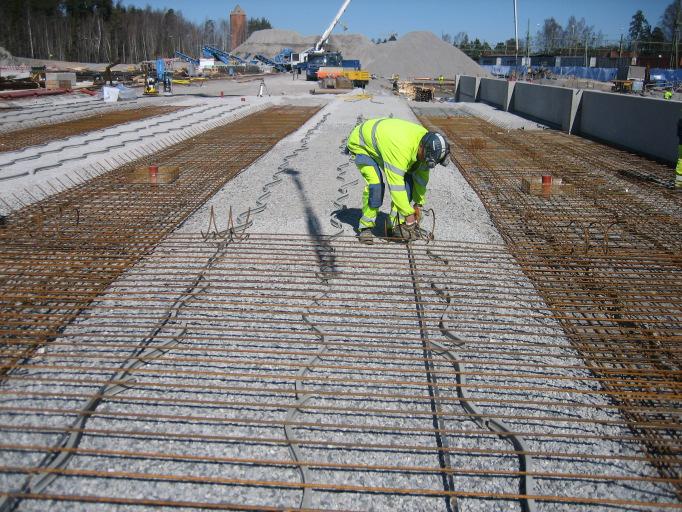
(366, 237)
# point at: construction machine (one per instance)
(107, 72)
(313, 58)
(150, 87)
(346, 76)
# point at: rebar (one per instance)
(604, 255)
(264, 354)
(40, 135)
(83, 238)
(153, 368)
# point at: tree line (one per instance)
(104, 31)
(577, 36)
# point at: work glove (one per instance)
(418, 212)
(407, 232)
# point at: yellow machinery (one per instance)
(360, 78)
(328, 76)
(150, 87)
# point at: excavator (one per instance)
(106, 78)
(107, 72)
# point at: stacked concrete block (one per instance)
(60, 80)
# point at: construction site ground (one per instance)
(224, 342)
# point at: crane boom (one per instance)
(320, 44)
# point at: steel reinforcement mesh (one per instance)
(75, 243)
(278, 372)
(604, 250)
(41, 135)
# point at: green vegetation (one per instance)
(104, 31)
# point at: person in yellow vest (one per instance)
(398, 155)
(668, 94)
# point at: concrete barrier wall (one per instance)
(643, 125)
(494, 92)
(549, 105)
(468, 89)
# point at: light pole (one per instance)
(528, 45)
(516, 34)
(677, 34)
(586, 45)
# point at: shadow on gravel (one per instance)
(326, 258)
(351, 216)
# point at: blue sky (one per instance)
(491, 20)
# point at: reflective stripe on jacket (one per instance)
(393, 144)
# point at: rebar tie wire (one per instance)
(237, 231)
(324, 277)
(65, 448)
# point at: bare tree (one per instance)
(460, 38)
(670, 21)
(101, 31)
(550, 36)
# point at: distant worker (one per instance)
(399, 155)
(668, 94)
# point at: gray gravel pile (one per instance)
(420, 54)
(416, 54)
(270, 42)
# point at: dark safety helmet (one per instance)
(436, 149)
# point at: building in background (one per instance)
(237, 27)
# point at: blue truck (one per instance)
(323, 59)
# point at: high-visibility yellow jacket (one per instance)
(393, 144)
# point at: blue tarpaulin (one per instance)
(600, 74)
(505, 70)
(666, 75)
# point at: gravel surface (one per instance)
(32, 173)
(233, 342)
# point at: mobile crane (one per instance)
(313, 58)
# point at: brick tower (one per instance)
(237, 27)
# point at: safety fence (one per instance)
(599, 74)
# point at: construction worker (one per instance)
(396, 154)
(668, 94)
